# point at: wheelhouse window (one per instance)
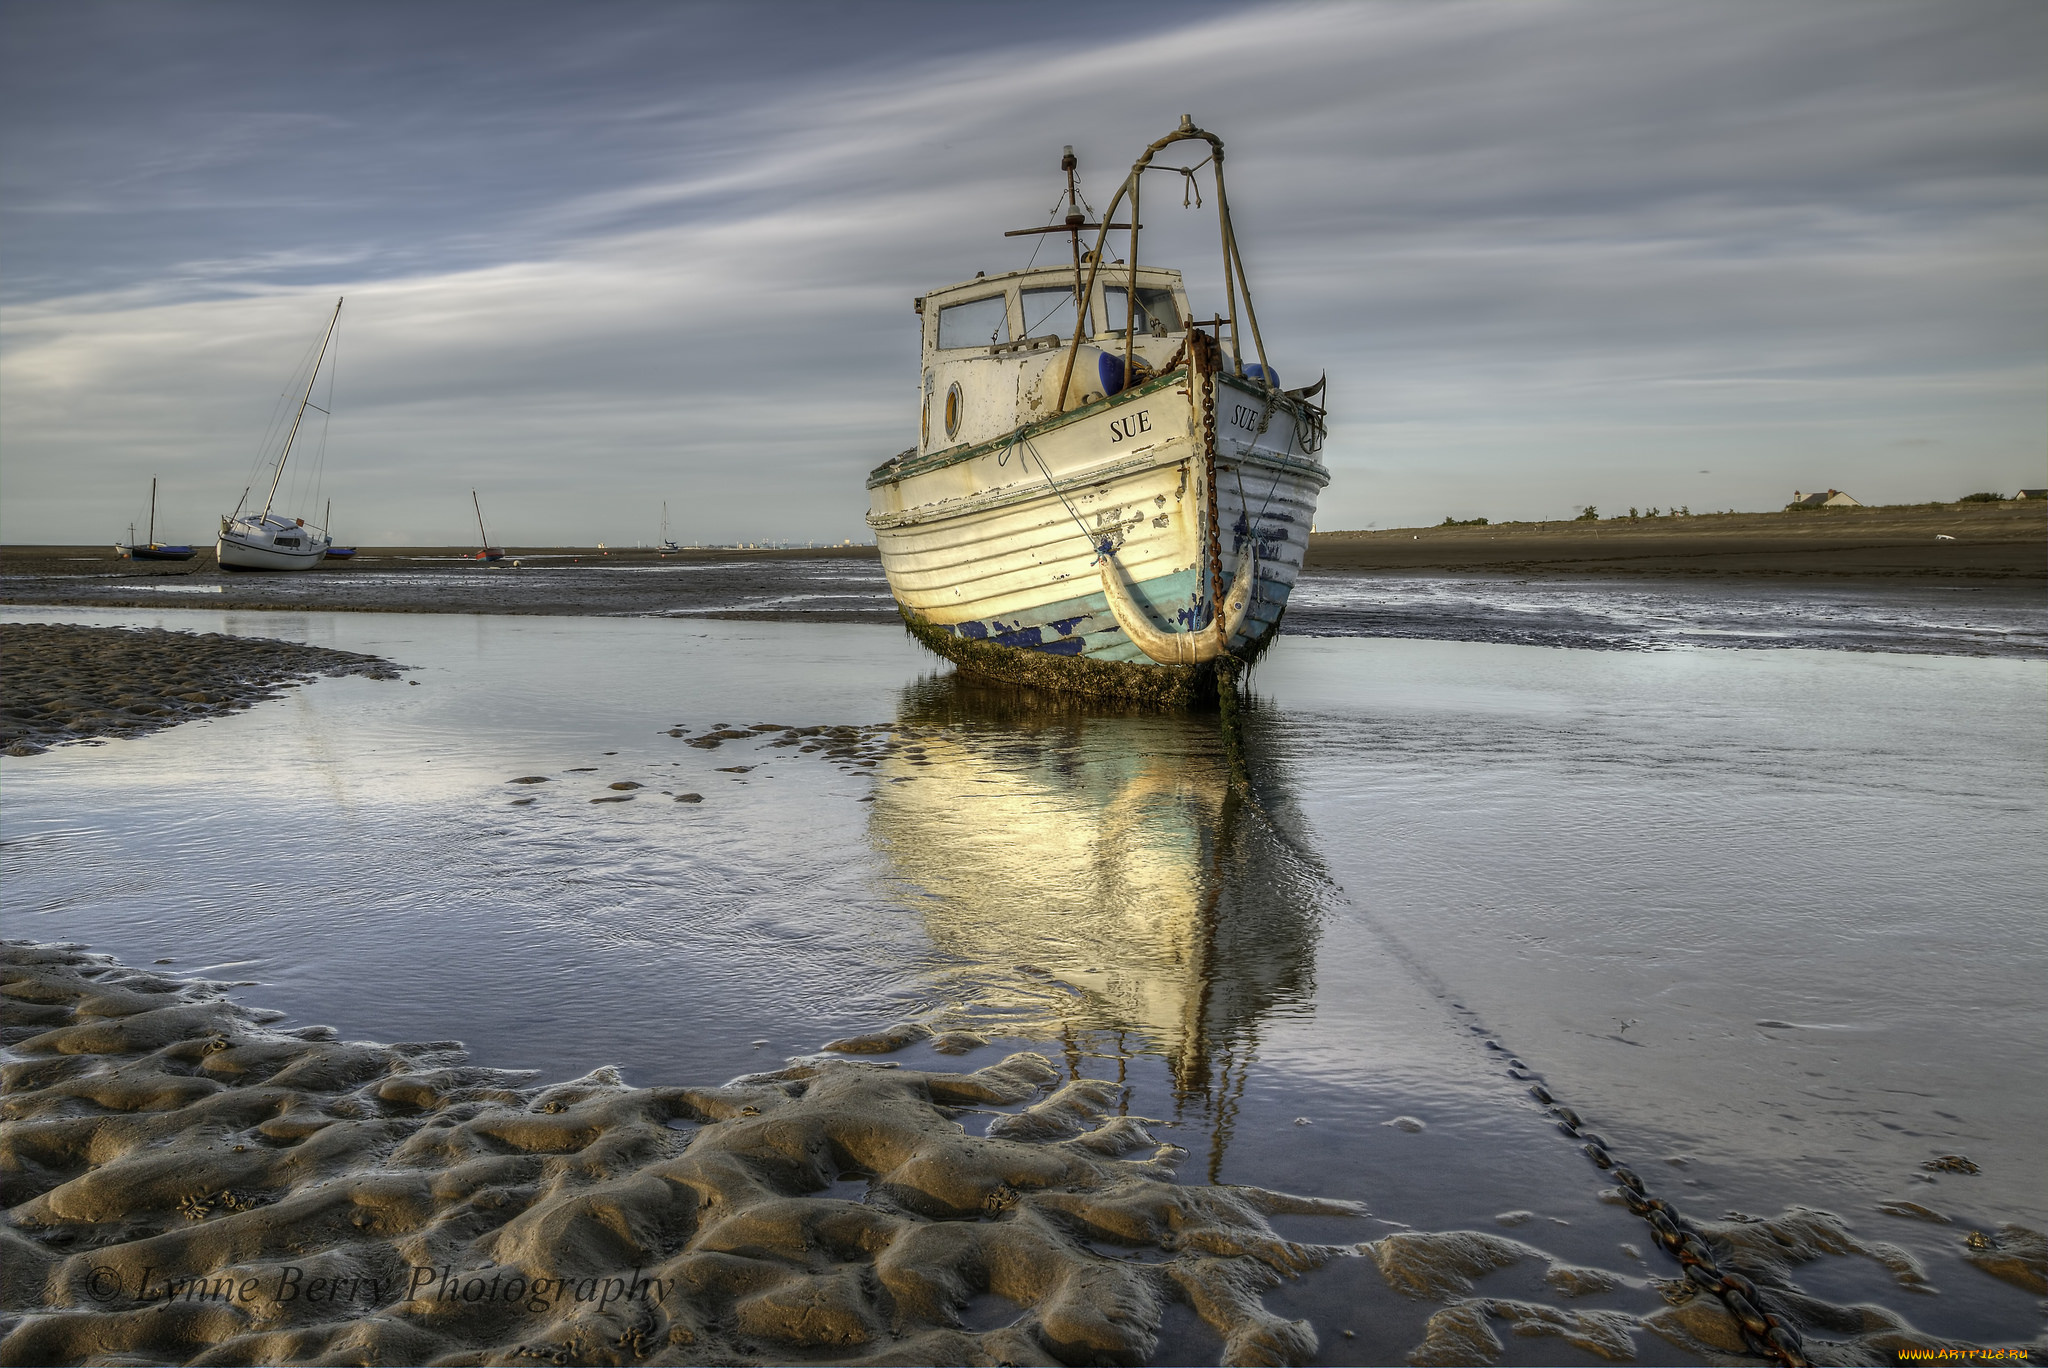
(1049, 311)
(1157, 313)
(977, 323)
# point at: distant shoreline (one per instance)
(1999, 542)
(1984, 545)
(368, 557)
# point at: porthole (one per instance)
(953, 411)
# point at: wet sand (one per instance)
(543, 581)
(65, 683)
(1987, 542)
(190, 1182)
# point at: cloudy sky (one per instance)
(604, 255)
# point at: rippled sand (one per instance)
(187, 1183)
(191, 1183)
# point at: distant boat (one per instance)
(666, 544)
(327, 526)
(152, 549)
(271, 541)
(1116, 512)
(489, 552)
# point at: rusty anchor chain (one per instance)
(1767, 1333)
(1204, 361)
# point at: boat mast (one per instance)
(480, 520)
(1075, 219)
(152, 514)
(300, 415)
(1233, 261)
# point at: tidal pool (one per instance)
(1769, 920)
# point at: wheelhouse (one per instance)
(993, 347)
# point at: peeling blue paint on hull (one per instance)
(1031, 647)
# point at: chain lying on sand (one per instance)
(1766, 1332)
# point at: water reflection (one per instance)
(1098, 880)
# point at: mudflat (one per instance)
(71, 683)
(1984, 541)
(785, 584)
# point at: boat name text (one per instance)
(1141, 421)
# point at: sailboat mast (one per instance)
(480, 520)
(301, 414)
(152, 513)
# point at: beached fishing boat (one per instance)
(269, 540)
(151, 549)
(1105, 497)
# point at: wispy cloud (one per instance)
(1550, 254)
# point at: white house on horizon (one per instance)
(1834, 498)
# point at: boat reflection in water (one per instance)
(1093, 877)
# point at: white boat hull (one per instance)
(243, 546)
(1003, 545)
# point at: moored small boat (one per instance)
(152, 549)
(327, 524)
(1122, 511)
(269, 540)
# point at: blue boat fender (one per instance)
(1111, 369)
(1269, 375)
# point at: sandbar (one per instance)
(64, 682)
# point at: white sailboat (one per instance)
(1120, 512)
(271, 541)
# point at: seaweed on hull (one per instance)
(1159, 686)
(189, 1183)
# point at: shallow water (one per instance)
(1920, 616)
(1770, 920)
(1949, 617)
